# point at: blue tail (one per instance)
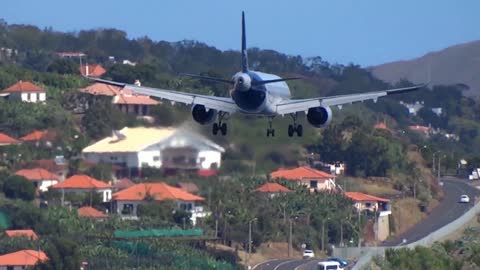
(244, 46)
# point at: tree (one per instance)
(18, 187)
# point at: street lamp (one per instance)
(433, 160)
(250, 239)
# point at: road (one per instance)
(448, 210)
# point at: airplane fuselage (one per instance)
(262, 98)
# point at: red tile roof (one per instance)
(300, 173)
(90, 212)
(28, 233)
(37, 174)
(39, 135)
(93, 70)
(104, 90)
(381, 125)
(359, 197)
(123, 184)
(134, 100)
(160, 191)
(26, 257)
(5, 139)
(272, 188)
(81, 181)
(22, 86)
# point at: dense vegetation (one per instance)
(318, 219)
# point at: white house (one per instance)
(127, 200)
(25, 91)
(80, 183)
(167, 148)
(313, 179)
(41, 178)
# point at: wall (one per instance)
(14, 268)
(45, 184)
(210, 157)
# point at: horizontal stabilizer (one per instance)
(205, 78)
(276, 80)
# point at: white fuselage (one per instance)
(260, 99)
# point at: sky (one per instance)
(364, 32)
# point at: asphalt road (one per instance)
(448, 210)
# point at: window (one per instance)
(156, 158)
(368, 204)
(10, 268)
(314, 184)
(113, 158)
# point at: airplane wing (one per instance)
(211, 102)
(300, 105)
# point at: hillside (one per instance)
(458, 64)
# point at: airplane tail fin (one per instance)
(244, 46)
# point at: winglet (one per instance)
(244, 46)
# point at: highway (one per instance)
(448, 210)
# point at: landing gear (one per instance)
(222, 127)
(298, 128)
(270, 129)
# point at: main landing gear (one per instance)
(298, 128)
(222, 127)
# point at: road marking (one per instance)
(306, 263)
(269, 261)
(276, 268)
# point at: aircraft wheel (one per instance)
(215, 129)
(300, 130)
(224, 129)
(291, 130)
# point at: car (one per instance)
(308, 253)
(464, 199)
(342, 263)
(329, 265)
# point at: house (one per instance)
(90, 212)
(313, 179)
(272, 189)
(38, 136)
(374, 206)
(70, 54)
(125, 100)
(94, 70)
(7, 140)
(25, 91)
(57, 166)
(127, 200)
(22, 259)
(19, 233)
(41, 178)
(413, 108)
(122, 184)
(426, 131)
(166, 148)
(81, 183)
(382, 126)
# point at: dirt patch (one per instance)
(406, 214)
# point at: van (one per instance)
(329, 265)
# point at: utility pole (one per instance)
(433, 160)
(290, 237)
(249, 240)
(438, 171)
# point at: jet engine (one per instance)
(319, 116)
(203, 115)
(242, 81)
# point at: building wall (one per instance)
(208, 159)
(383, 227)
(29, 96)
(149, 158)
(321, 184)
(106, 193)
(14, 267)
(43, 185)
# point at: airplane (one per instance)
(256, 93)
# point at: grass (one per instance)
(376, 188)
(406, 214)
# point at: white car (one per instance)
(464, 199)
(308, 253)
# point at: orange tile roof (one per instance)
(34, 136)
(419, 128)
(358, 196)
(300, 173)
(28, 233)
(90, 212)
(37, 174)
(94, 70)
(5, 139)
(160, 191)
(104, 90)
(272, 188)
(81, 181)
(123, 184)
(381, 125)
(26, 257)
(22, 86)
(134, 99)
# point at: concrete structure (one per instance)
(41, 178)
(375, 207)
(167, 148)
(80, 183)
(25, 91)
(22, 259)
(313, 179)
(126, 201)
